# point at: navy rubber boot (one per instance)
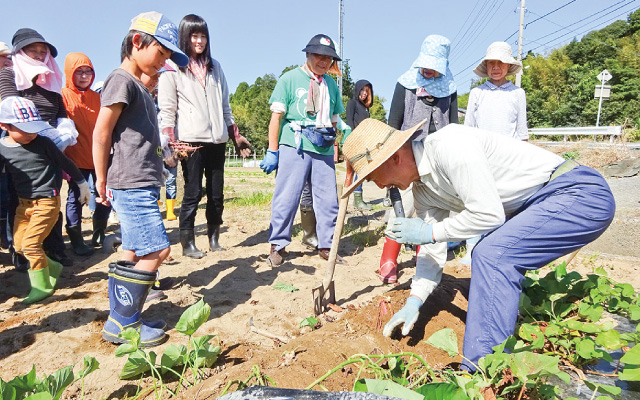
(128, 289)
(156, 323)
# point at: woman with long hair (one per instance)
(194, 108)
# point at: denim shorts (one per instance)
(140, 219)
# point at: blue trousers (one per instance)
(74, 208)
(293, 171)
(170, 183)
(566, 214)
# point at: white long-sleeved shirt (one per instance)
(483, 176)
(198, 114)
(500, 109)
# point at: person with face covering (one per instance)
(35, 76)
(357, 111)
(194, 108)
(304, 113)
(83, 105)
(425, 91)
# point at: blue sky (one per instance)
(381, 37)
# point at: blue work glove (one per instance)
(412, 231)
(408, 315)
(270, 161)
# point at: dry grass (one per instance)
(594, 157)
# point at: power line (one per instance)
(462, 75)
(627, 2)
(465, 22)
(571, 31)
(486, 18)
(464, 35)
(549, 13)
(589, 16)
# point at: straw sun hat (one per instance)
(370, 145)
(498, 51)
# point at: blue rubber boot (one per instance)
(156, 323)
(128, 289)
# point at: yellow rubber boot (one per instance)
(170, 215)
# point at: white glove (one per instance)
(85, 193)
(68, 133)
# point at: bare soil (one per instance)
(238, 284)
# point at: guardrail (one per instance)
(611, 131)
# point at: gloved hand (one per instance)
(68, 133)
(85, 193)
(412, 231)
(408, 314)
(270, 161)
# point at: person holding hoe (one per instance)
(531, 205)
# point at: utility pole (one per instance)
(340, 45)
(520, 38)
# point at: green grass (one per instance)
(363, 236)
(251, 199)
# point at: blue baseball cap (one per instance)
(165, 32)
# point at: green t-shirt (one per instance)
(291, 90)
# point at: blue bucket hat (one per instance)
(165, 32)
(434, 54)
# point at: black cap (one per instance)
(26, 36)
(322, 44)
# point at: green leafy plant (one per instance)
(256, 375)
(196, 356)
(571, 155)
(310, 321)
(409, 373)
(285, 287)
(562, 316)
(515, 371)
(49, 387)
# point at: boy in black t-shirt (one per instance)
(33, 161)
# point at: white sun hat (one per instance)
(500, 51)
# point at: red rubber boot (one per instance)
(389, 261)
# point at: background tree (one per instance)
(560, 85)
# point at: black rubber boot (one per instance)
(308, 222)
(60, 256)
(77, 242)
(19, 261)
(213, 232)
(128, 289)
(188, 242)
(99, 229)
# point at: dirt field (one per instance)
(238, 285)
